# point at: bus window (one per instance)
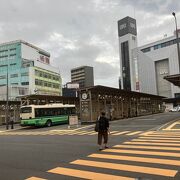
(37, 113)
(73, 110)
(26, 109)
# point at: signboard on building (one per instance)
(127, 25)
(43, 59)
(72, 85)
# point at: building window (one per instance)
(38, 82)
(176, 95)
(13, 49)
(13, 64)
(25, 74)
(146, 50)
(3, 77)
(25, 83)
(14, 83)
(3, 51)
(14, 75)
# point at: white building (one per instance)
(149, 64)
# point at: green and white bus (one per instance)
(46, 115)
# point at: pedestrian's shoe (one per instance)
(106, 147)
(100, 149)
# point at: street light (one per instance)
(177, 39)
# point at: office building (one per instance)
(127, 42)
(83, 75)
(27, 70)
(146, 66)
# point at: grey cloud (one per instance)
(78, 21)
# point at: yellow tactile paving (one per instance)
(87, 174)
(137, 159)
(154, 153)
(130, 168)
(147, 147)
(35, 178)
(156, 144)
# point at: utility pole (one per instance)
(177, 39)
(7, 99)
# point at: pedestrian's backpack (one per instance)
(96, 128)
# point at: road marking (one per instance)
(131, 168)
(62, 130)
(134, 133)
(155, 140)
(170, 138)
(137, 159)
(147, 147)
(165, 132)
(147, 143)
(113, 132)
(68, 132)
(147, 133)
(120, 133)
(126, 151)
(93, 133)
(86, 174)
(172, 125)
(35, 178)
(85, 127)
(145, 119)
(163, 135)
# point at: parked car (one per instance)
(175, 109)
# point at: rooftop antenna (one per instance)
(134, 12)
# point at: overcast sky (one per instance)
(84, 32)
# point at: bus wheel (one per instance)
(49, 123)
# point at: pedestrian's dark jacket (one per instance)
(103, 124)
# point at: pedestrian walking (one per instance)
(103, 130)
(12, 122)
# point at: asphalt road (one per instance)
(32, 152)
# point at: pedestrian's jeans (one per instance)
(102, 135)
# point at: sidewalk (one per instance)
(3, 128)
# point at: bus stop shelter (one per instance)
(174, 79)
(116, 103)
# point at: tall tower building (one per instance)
(83, 75)
(127, 33)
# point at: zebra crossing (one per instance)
(69, 132)
(146, 157)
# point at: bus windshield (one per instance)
(26, 109)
